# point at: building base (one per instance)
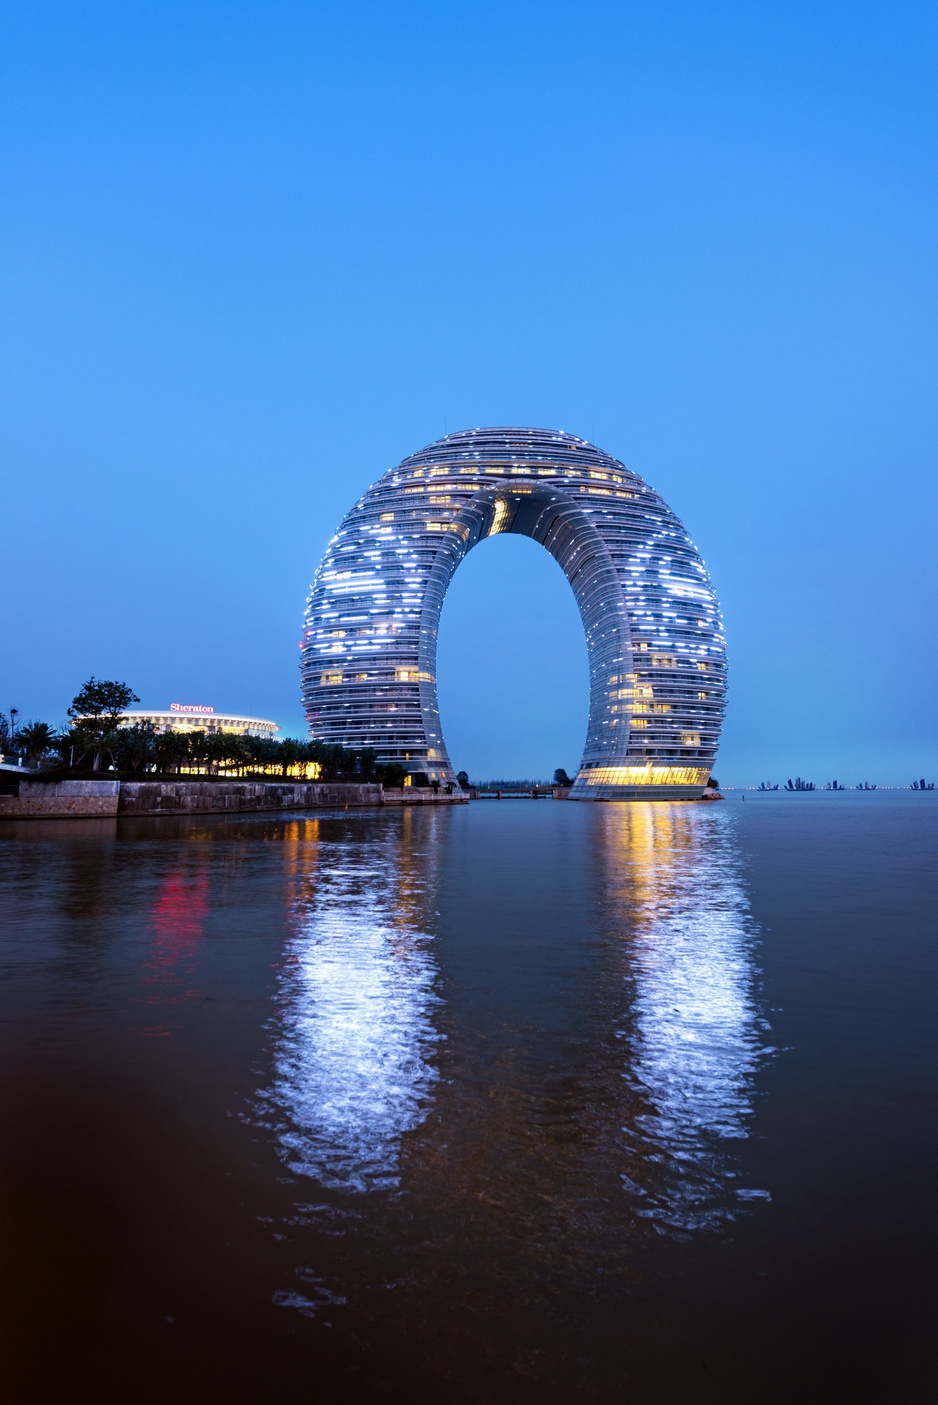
(637, 792)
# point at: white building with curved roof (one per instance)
(197, 717)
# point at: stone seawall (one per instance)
(422, 795)
(63, 800)
(239, 797)
(78, 800)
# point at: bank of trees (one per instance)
(226, 753)
(98, 739)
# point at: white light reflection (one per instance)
(353, 1062)
(694, 1029)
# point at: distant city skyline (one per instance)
(248, 267)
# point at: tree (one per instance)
(198, 751)
(97, 709)
(332, 760)
(289, 751)
(561, 777)
(37, 739)
(71, 744)
(313, 751)
(216, 748)
(172, 749)
(264, 751)
(133, 748)
(367, 763)
(348, 762)
(463, 779)
(234, 750)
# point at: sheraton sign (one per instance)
(189, 707)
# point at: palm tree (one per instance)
(37, 739)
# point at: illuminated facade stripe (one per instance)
(199, 720)
(657, 657)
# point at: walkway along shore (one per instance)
(106, 798)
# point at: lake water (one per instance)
(514, 1101)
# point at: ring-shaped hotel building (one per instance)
(655, 641)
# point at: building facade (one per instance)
(657, 657)
(197, 717)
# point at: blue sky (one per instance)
(252, 255)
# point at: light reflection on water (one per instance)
(356, 1035)
(358, 1042)
(586, 982)
(177, 920)
(692, 1027)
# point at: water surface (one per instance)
(519, 1100)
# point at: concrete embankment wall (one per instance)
(239, 797)
(97, 799)
(423, 795)
(57, 800)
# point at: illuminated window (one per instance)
(647, 775)
(650, 580)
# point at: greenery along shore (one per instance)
(97, 739)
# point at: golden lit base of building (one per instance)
(641, 783)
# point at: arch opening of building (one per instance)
(654, 637)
